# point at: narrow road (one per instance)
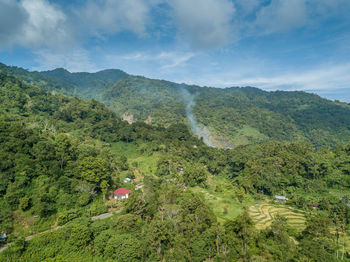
(28, 238)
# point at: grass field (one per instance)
(264, 212)
(144, 163)
(220, 195)
(225, 205)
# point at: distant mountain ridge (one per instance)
(238, 115)
(85, 84)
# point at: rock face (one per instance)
(148, 120)
(129, 118)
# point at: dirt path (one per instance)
(28, 238)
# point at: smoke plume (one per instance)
(196, 128)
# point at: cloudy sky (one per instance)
(270, 44)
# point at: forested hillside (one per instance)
(61, 158)
(249, 115)
(243, 115)
(85, 85)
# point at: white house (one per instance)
(121, 193)
(127, 180)
(281, 198)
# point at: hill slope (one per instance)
(221, 116)
(249, 115)
(87, 85)
(61, 158)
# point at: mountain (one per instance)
(62, 157)
(249, 115)
(223, 117)
(87, 85)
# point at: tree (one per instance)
(101, 239)
(124, 247)
(104, 188)
(24, 203)
(128, 223)
(65, 150)
(122, 163)
(94, 170)
(195, 174)
(19, 245)
(5, 217)
(317, 240)
(240, 231)
(80, 236)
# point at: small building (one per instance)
(281, 199)
(121, 193)
(138, 186)
(3, 237)
(127, 180)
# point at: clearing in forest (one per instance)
(145, 161)
(264, 213)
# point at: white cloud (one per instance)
(204, 23)
(46, 25)
(33, 24)
(12, 18)
(324, 79)
(175, 59)
(111, 16)
(164, 60)
(282, 15)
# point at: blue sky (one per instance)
(270, 44)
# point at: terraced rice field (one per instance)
(264, 213)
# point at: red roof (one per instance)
(121, 191)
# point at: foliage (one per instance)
(245, 115)
(56, 162)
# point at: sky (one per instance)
(269, 44)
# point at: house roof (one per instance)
(121, 191)
(281, 197)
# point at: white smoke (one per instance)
(198, 129)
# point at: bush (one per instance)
(84, 199)
(65, 217)
(98, 208)
(24, 203)
(123, 247)
(128, 223)
(19, 245)
(80, 236)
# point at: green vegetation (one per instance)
(244, 115)
(84, 84)
(61, 158)
(249, 115)
(158, 101)
(139, 156)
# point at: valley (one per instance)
(63, 157)
(174, 131)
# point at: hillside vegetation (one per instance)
(243, 115)
(62, 157)
(249, 115)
